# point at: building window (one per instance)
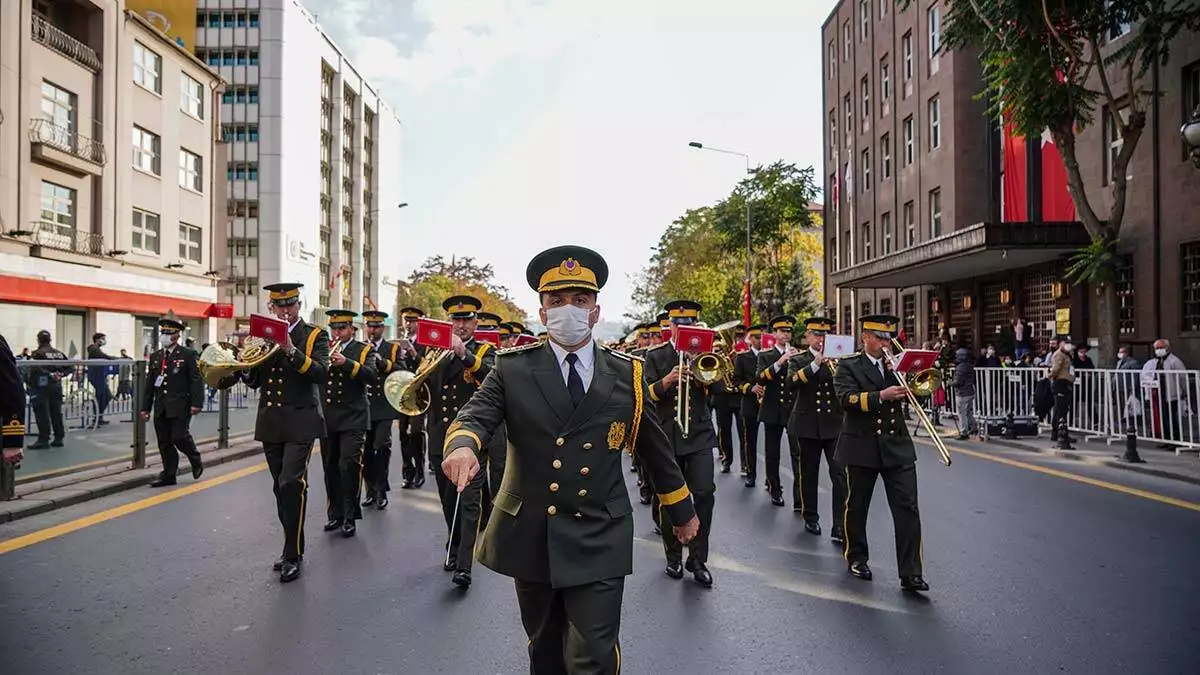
(885, 81)
(908, 304)
(58, 107)
(885, 156)
(245, 286)
(906, 51)
(864, 19)
(246, 171)
(935, 212)
(866, 237)
(910, 225)
(1127, 312)
(847, 320)
(189, 242)
(846, 41)
(832, 59)
(833, 132)
(883, 8)
(848, 248)
(58, 208)
(865, 309)
(146, 147)
(885, 306)
(935, 31)
(866, 170)
(1119, 28)
(935, 123)
(849, 118)
(145, 231)
(864, 87)
(1189, 278)
(1191, 98)
(908, 140)
(191, 96)
(191, 171)
(240, 95)
(833, 257)
(243, 248)
(885, 224)
(147, 68)
(1114, 141)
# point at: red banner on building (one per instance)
(220, 310)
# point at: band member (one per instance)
(816, 423)
(563, 527)
(517, 328)
(875, 442)
(745, 379)
(377, 447)
(12, 407)
(654, 336)
(498, 446)
(347, 421)
(645, 491)
(508, 337)
(664, 327)
(693, 451)
(777, 400)
(289, 417)
(412, 428)
(452, 384)
(176, 392)
(727, 403)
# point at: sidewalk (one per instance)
(41, 496)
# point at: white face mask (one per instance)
(1068, 347)
(103, 342)
(991, 352)
(568, 325)
(1160, 352)
(164, 341)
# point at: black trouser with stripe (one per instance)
(174, 437)
(288, 463)
(573, 630)
(464, 529)
(749, 445)
(773, 442)
(697, 469)
(727, 416)
(412, 446)
(807, 471)
(342, 460)
(376, 456)
(900, 485)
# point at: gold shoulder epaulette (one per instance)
(625, 356)
(517, 350)
(657, 346)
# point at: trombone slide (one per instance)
(938, 441)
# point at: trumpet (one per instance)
(923, 383)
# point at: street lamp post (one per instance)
(746, 290)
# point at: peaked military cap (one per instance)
(373, 317)
(756, 329)
(683, 309)
(506, 329)
(818, 324)
(884, 325)
(411, 313)
(567, 267)
(462, 306)
(783, 321)
(487, 320)
(339, 318)
(170, 324)
(284, 293)
(664, 319)
(517, 327)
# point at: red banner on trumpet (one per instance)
(268, 328)
(434, 333)
(694, 340)
(492, 336)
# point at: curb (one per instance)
(1094, 461)
(53, 498)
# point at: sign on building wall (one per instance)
(176, 18)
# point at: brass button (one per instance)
(557, 464)
(878, 432)
(445, 419)
(584, 471)
(328, 401)
(587, 446)
(559, 442)
(583, 493)
(554, 487)
(552, 510)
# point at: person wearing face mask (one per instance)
(777, 401)
(1062, 380)
(563, 527)
(175, 392)
(1165, 391)
(452, 384)
(97, 376)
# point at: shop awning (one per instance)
(975, 251)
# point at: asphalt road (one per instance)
(1030, 573)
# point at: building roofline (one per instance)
(834, 12)
(166, 39)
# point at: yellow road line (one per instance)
(124, 510)
(1095, 482)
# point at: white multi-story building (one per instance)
(109, 144)
(314, 161)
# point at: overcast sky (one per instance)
(532, 123)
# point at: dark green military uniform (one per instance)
(12, 400)
(727, 404)
(173, 387)
(377, 448)
(289, 420)
(347, 420)
(816, 423)
(452, 384)
(693, 452)
(563, 525)
(745, 377)
(875, 442)
(777, 404)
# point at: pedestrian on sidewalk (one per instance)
(97, 375)
(1062, 382)
(1165, 391)
(964, 393)
(46, 393)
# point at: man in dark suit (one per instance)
(347, 420)
(97, 376)
(377, 447)
(176, 392)
(777, 400)
(452, 384)
(816, 423)
(563, 526)
(693, 451)
(289, 417)
(727, 404)
(875, 442)
(12, 407)
(745, 379)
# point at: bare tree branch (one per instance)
(1108, 93)
(1054, 31)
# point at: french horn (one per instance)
(220, 361)
(407, 391)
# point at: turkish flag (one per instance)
(268, 328)
(746, 291)
(492, 336)
(434, 333)
(693, 339)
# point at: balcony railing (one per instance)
(62, 138)
(53, 37)
(63, 238)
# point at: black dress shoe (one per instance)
(812, 527)
(451, 566)
(381, 502)
(700, 573)
(462, 579)
(913, 583)
(724, 468)
(197, 470)
(278, 564)
(349, 528)
(40, 445)
(162, 482)
(777, 500)
(289, 571)
(333, 524)
(406, 484)
(418, 480)
(674, 570)
(860, 570)
(749, 483)
(838, 537)
(369, 501)
(56, 443)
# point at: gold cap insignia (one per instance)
(616, 435)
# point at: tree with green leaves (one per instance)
(437, 279)
(1048, 66)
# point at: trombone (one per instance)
(926, 382)
(707, 369)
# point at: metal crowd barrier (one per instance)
(1156, 406)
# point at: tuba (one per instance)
(408, 392)
(220, 361)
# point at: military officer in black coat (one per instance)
(563, 525)
(452, 384)
(778, 399)
(377, 447)
(12, 406)
(745, 380)
(412, 432)
(290, 418)
(693, 452)
(352, 368)
(875, 442)
(727, 404)
(816, 423)
(645, 490)
(175, 391)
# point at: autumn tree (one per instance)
(437, 279)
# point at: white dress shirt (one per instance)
(878, 363)
(585, 366)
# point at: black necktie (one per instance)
(574, 381)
